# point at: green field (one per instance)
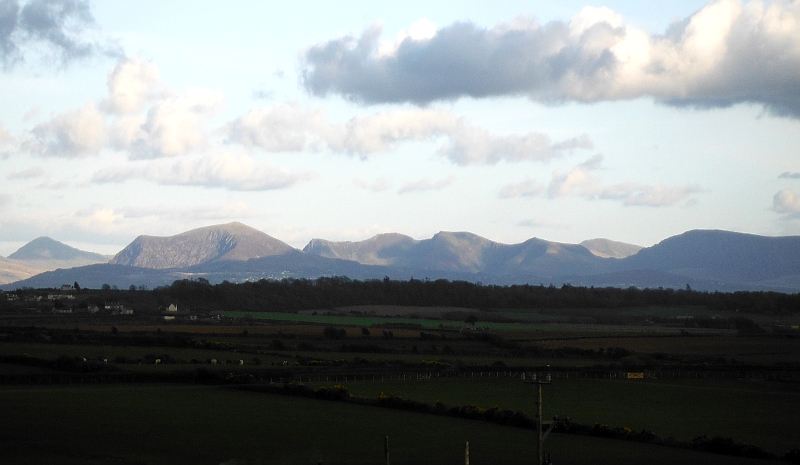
(202, 425)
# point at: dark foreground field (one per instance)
(157, 424)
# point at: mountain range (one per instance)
(702, 259)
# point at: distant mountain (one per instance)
(464, 253)
(226, 242)
(383, 249)
(44, 249)
(44, 254)
(706, 260)
(606, 248)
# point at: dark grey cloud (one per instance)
(60, 27)
(726, 53)
(460, 60)
(788, 175)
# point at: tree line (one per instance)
(290, 295)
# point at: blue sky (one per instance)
(341, 120)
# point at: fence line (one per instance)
(190, 377)
(609, 375)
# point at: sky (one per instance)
(627, 120)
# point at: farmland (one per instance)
(146, 390)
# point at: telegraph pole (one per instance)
(539, 381)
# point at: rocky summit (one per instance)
(225, 242)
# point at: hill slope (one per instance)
(722, 255)
(226, 242)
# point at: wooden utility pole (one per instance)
(386, 449)
(466, 454)
(540, 436)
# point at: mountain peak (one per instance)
(224, 242)
(45, 248)
(381, 249)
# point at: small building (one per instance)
(169, 317)
(172, 308)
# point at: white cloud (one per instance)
(378, 132)
(132, 84)
(786, 201)
(426, 184)
(471, 145)
(176, 125)
(72, 134)
(147, 119)
(647, 196)
(294, 128)
(5, 200)
(378, 185)
(724, 54)
(280, 128)
(527, 188)
(54, 185)
(579, 181)
(235, 173)
(30, 173)
(423, 29)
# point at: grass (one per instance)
(201, 425)
(754, 412)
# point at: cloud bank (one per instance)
(724, 54)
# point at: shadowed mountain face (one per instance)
(723, 256)
(463, 252)
(227, 242)
(45, 248)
